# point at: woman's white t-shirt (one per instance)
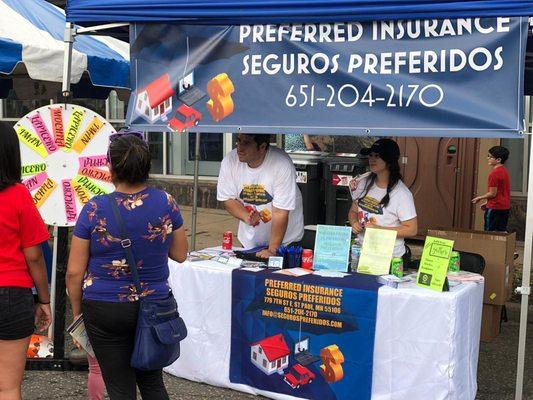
(401, 207)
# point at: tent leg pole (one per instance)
(53, 281)
(524, 290)
(67, 58)
(195, 190)
(60, 296)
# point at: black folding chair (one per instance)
(308, 241)
(407, 261)
(472, 262)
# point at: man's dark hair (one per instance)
(130, 159)
(259, 139)
(10, 164)
(499, 152)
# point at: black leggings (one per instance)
(496, 220)
(111, 330)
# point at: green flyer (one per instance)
(434, 263)
(376, 252)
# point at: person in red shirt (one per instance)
(497, 201)
(22, 267)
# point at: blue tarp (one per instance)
(261, 11)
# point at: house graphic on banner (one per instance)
(154, 101)
(270, 354)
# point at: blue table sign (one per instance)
(332, 247)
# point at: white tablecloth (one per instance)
(426, 344)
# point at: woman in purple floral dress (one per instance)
(99, 279)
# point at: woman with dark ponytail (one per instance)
(99, 279)
(380, 198)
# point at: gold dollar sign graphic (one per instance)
(332, 358)
(220, 89)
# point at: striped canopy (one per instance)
(31, 33)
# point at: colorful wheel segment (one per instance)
(63, 150)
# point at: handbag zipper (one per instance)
(165, 313)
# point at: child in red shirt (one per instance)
(498, 197)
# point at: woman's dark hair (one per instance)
(394, 177)
(10, 164)
(130, 159)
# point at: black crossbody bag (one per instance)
(159, 325)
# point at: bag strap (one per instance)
(125, 242)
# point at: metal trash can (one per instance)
(309, 166)
(339, 169)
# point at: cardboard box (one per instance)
(498, 251)
(490, 322)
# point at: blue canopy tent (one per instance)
(277, 11)
(31, 49)
(234, 12)
(257, 11)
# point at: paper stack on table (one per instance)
(294, 271)
(198, 256)
(253, 264)
(330, 274)
(465, 276)
(392, 280)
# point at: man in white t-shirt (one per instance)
(257, 184)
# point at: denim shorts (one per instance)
(17, 313)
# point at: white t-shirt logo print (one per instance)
(371, 205)
(254, 193)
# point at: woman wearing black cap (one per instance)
(381, 199)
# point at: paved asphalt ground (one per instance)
(496, 369)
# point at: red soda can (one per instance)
(307, 258)
(227, 240)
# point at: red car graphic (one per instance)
(185, 117)
(298, 376)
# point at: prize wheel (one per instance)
(63, 150)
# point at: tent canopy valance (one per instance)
(260, 11)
